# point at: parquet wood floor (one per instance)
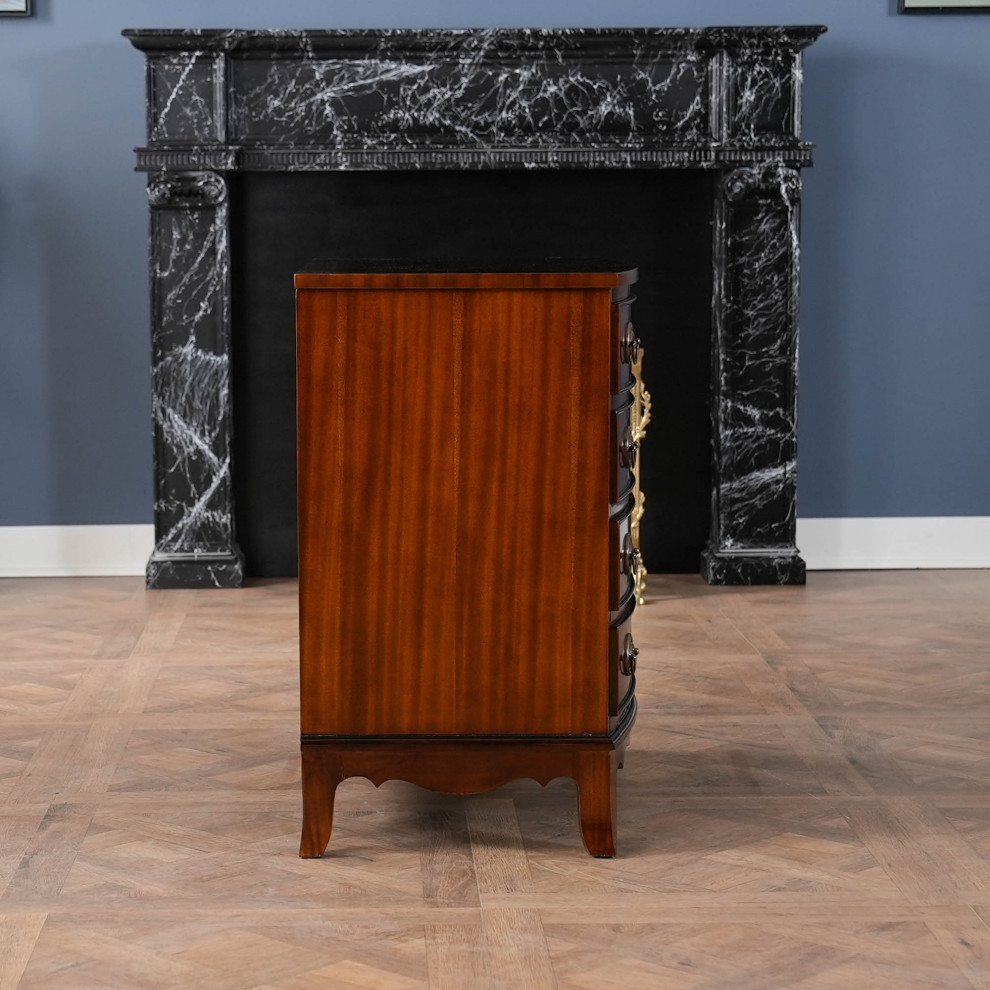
(804, 804)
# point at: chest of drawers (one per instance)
(466, 572)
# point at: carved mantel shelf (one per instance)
(727, 100)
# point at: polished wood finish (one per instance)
(465, 766)
(456, 452)
(621, 578)
(804, 804)
(621, 478)
(390, 277)
(453, 506)
(620, 681)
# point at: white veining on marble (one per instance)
(192, 369)
(475, 100)
(183, 104)
(755, 412)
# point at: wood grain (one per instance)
(377, 496)
(500, 861)
(520, 959)
(18, 934)
(457, 459)
(446, 861)
(465, 765)
(458, 957)
(453, 451)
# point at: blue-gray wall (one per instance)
(895, 351)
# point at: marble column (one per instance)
(190, 292)
(754, 378)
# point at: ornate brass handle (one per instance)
(642, 408)
(628, 657)
(639, 416)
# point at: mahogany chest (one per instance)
(466, 572)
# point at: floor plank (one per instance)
(803, 804)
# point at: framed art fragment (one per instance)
(941, 6)
(15, 8)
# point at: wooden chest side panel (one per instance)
(453, 511)
(532, 530)
(376, 504)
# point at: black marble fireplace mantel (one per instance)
(725, 100)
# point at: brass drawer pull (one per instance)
(628, 449)
(631, 557)
(628, 657)
(629, 346)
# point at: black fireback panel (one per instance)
(660, 222)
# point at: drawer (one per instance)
(625, 347)
(623, 560)
(623, 459)
(622, 655)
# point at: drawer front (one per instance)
(623, 561)
(622, 655)
(625, 347)
(623, 459)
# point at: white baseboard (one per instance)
(894, 543)
(825, 544)
(74, 551)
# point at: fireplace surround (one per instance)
(722, 101)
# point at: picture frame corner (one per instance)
(17, 8)
(949, 7)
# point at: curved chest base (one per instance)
(466, 765)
